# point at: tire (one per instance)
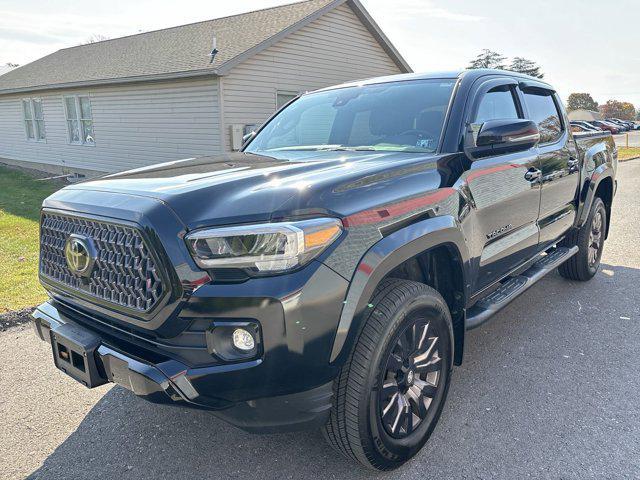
(585, 264)
(367, 423)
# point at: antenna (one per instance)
(214, 50)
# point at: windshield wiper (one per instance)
(322, 148)
(342, 148)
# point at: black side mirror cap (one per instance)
(497, 137)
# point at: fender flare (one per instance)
(589, 189)
(382, 258)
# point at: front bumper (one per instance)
(155, 383)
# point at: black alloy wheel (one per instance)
(410, 379)
(596, 238)
(590, 242)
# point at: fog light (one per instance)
(243, 340)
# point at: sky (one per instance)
(582, 45)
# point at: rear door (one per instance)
(505, 231)
(558, 159)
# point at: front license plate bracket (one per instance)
(74, 351)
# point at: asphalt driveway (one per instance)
(549, 389)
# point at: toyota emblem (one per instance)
(80, 254)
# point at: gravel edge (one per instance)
(13, 319)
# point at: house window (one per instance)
(282, 98)
(79, 120)
(33, 119)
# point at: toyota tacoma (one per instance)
(325, 275)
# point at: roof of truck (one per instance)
(451, 74)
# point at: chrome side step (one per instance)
(488, 306)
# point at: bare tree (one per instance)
(95, 38)
(11, 65)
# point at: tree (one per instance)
(617, 109)
(638, 115)
(581, 101)
(12, 65)
(528, 67)
(95, 38)
(488, 59)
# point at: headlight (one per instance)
(269, 247)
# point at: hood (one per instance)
(243, 188)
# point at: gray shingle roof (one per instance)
(4, 69)
(171, 52)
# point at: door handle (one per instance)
(533, 174)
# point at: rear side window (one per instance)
(543, 111)
(497, 104)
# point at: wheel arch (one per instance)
(604, 191)
(601, 184)
(439, 234)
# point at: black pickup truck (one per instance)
(325, 275)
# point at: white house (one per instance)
(184, 91)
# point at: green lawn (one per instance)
(20, 200)
(625, 153)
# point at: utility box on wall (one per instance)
(237, 132)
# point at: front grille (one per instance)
(124, 272)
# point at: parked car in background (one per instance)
(585, 126)
(625, 126)
(626, 123)
(580, 129)
(590, 123)
(629, 124)
(609, 127)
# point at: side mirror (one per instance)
(247, 137)
(497, 137)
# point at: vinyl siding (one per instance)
(333, 49)
(134, 126)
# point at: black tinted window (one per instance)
(495, 105)
(543, 111)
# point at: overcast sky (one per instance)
(582, 45)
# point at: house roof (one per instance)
(4, 69)
(582, 114)
(178, 52)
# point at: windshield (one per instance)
(403, 116)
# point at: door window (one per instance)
(544, 111)
(496, 104)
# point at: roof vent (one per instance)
(214, 50)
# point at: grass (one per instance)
(20, 200)
(627, 153)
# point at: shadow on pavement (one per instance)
(527, 399)
(127, 437)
